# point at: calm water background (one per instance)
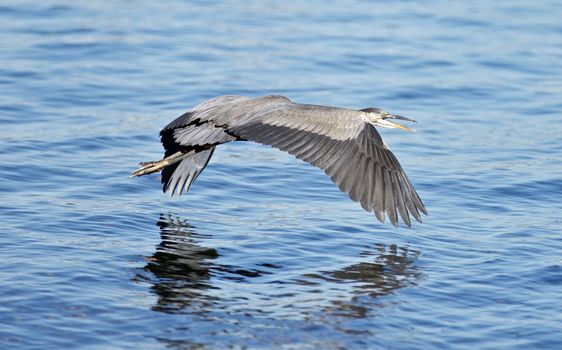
(265, 252)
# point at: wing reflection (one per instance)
(180, 267)
(392, 268)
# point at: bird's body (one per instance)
(342, 142)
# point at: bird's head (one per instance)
(381, 118)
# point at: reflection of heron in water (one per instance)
(342, 142)
(180, 265)
(393, 268)
(183, 268)
(186, 276)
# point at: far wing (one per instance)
(179, 177)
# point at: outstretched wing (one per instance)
(347, 148)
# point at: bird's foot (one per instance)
(155, 166)
(150, 167)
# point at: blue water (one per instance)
(265, 252)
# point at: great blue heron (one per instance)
(342, 142)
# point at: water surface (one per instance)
(265, 252)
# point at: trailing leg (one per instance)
(156, 166)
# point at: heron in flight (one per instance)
(342, 142)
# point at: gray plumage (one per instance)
(342, 142)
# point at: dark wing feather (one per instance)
(179, 177)
(200, 143)
(200, 135)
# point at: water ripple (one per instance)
(265, 252)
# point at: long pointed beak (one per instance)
(399, 117)
(390, 124)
